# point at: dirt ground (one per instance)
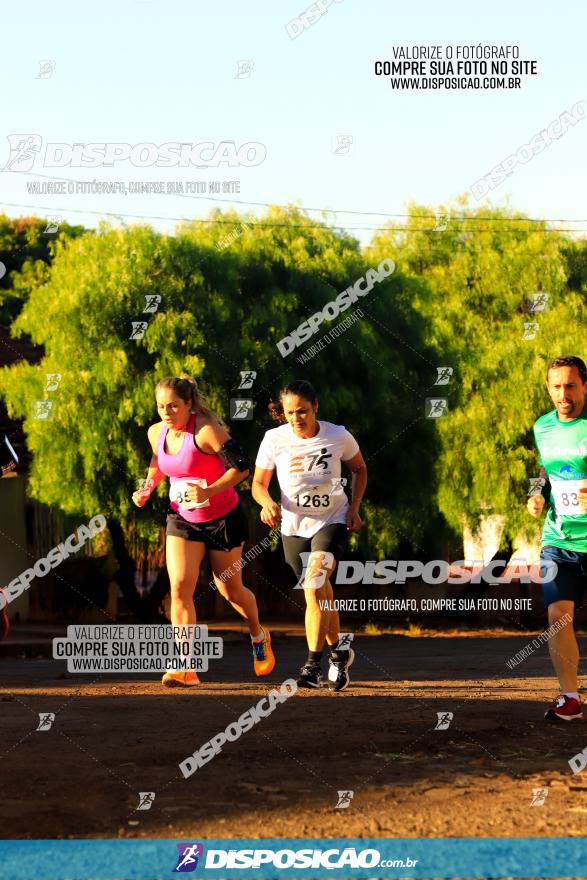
(114, 736)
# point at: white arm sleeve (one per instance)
(350, 446)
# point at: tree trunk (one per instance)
(125, 575)
(157, 594)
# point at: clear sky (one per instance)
(146, 71)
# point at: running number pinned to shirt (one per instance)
(313, 500)
(178, 493)
(566, 496)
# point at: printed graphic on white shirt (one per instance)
(308, 470)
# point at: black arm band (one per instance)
(234, 456)
(545, 487)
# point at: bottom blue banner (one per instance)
(293, 857)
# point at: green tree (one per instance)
(482, 269)
(26, 251)
(222, 310)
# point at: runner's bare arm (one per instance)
(154, 475)
(358, 468)
(213, 438)
(270, 510)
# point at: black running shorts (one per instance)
(333, 537)
(224, 533)
(571, 578)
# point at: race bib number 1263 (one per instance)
(313, 500)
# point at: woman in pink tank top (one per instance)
(193, 448)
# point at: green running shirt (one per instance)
(562, 448)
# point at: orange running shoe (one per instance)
(180, 679)
(263, 656)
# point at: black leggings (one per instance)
(333, 537)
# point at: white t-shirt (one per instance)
(308, 471)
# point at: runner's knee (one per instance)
(314, 596)
(558, 610)
(232, 590)
(182, 589)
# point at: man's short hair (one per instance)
(568, 360)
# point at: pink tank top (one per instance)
(191, 463)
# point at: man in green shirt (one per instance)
(561, 439)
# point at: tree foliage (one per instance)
(482, 269)
(26, 251)
(222, 311)
(230, 289)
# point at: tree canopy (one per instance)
(116, 309)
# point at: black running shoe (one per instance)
(338, 671)
(310, 676)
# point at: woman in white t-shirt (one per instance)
(315, 514)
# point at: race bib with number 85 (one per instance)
(178, 493)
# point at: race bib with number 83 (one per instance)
(566, 496)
